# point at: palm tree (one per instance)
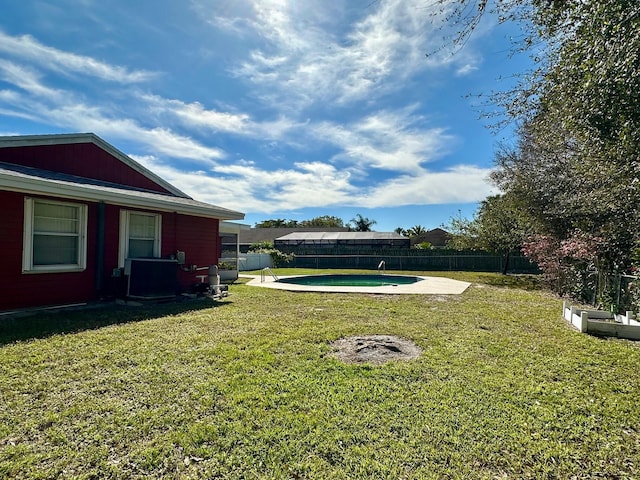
(361, 224)
(416, 231)
(401, 231)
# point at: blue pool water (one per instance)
(351, 280)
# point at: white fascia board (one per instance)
(232, 227)
(69, 190)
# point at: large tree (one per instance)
(277, 223)
(325, 221)
(498, 226)
(576, 168)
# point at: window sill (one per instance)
(54, 270)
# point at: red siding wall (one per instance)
(196, 236)
(81, 159)
(35, 289)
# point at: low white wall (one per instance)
(597, 322)
(254, 261)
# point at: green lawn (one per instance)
(246, 388)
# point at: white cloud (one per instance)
(311, 184)
(27, 48)
(307, 60)
(386, 140)
(63, 109)
(466, 69)
(196, 115)
(247, 188)
(156, 139)
(460, 184)
(311, 54)
(28, 80)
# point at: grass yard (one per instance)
(246, 388)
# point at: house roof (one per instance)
(336, 236)
(44, 182)
(436, 237)
(258, 235)
(73, 138)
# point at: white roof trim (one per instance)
(70, 138)
(232, 227)
(34, 185)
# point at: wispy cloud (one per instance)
(467, 68)
(27, 48)
(36, 101)
(156, 139)
(246, 187)
(460, 184)
(389, 140)
(301, 61)
(308, 61)
(250, 188)
(196, 115)
(29, 80)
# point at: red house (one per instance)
(81, 221)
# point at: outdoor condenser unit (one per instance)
(151, 278)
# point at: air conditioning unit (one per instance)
(151, 278)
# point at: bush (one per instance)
(569, 265)
(278, 258)
(227, 266)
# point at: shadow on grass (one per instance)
(43, 324)
(524, 282)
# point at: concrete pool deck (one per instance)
(427, 286)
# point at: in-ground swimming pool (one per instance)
(351, 280)
(382, 284)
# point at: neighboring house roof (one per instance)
(74, 138)
(259, 235)
(436, 237)
(44, 182)
(325, 236)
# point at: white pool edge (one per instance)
(427, 286)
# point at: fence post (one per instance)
(584, 322)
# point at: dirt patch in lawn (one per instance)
(374, 349)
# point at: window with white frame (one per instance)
(55, 236)
(139, 235)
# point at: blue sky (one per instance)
(276, 108)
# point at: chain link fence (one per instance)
(623, 293)
(412, 260)
(617, 293)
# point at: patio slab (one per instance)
(427, 286)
